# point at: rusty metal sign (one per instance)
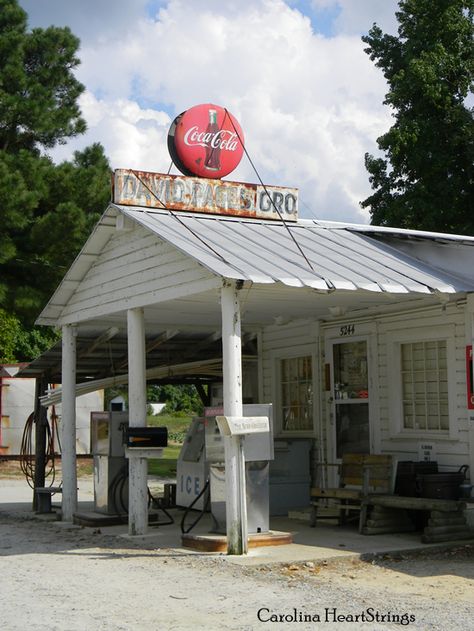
(196, 194)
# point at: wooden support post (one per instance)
(68, 422)
(236, 503)
(40, 437)
(138, 467)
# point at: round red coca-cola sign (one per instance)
(206, 140)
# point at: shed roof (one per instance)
(321, 255)
(315, 255)
(307, 270)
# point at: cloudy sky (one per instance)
(292, 72)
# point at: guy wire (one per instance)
(269, 196)
(177, 217)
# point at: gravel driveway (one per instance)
(57, 579)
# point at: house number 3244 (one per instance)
(347, 329)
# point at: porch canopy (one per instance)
(172, 264)
(160, 278)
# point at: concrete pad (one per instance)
(326, 542)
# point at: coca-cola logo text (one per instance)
(221, 139)
(206, 141)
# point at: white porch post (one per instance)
(68, 422)
(470, 415)
(138, 467)
(236, 503)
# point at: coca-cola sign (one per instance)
(206, 141)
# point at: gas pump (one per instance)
(202, 458)
(108, 451)
(192, 469)
(113, 442)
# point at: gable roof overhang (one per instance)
(305, 271)
(289, 270)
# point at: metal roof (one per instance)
(321, 255)
(294, 271)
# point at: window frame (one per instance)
(277, 358)
(395, 386)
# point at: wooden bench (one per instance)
(359, 475)
(43, 498)
(390, 513)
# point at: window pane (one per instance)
(296, 393)
(424, 385)
(352, 429)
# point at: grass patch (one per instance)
(177, 425)
(165, 467)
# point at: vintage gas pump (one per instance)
(107, 442)
(202, 458)
(192, 470)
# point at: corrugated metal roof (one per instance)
(334, 256)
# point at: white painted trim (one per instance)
(470, 413)
(364, 332)
(275, 357)
(420, 334)
(154, 297)
(260, 366)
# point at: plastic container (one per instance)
(445, 486)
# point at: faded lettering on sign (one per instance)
(156, 190)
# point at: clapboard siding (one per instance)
(303, 336)
(449, 452)
(281, 339)
(134, 269)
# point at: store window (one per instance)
(296, 376)
(424, 380)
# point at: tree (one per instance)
(47, 210)
(179, 399)
(38, 90)
(425, 179)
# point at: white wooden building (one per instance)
(17, 402)
(361, 332)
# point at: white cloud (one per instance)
(357, 16)
(310, 106)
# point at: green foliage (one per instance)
(182, 399)
(45, 230)
(9, 329)
(38, 90)
(177, 425)
(165, 467)
(47, 210)
(425, 179)
(19, 344)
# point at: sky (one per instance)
(293, 73)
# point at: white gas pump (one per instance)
(202, 458)
(192, 469)
(108, 451)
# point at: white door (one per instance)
(349, 397)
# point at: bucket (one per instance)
(465, 491)
(445, 486)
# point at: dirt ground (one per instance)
(57, 578)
